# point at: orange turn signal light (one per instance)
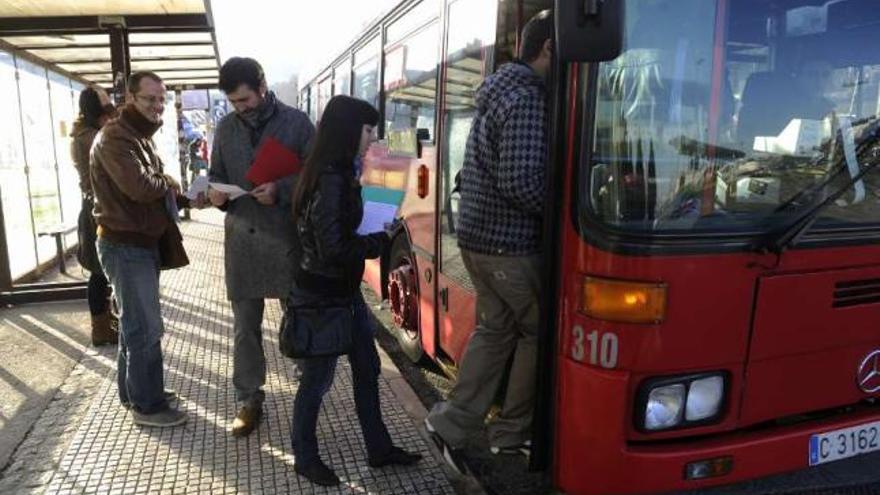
(628, 302)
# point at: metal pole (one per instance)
(120, 62)
(5, 270)
(182, 151)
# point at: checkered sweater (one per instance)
(502, 179)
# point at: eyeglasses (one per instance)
(152, 100)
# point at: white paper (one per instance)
(376, 215)
(232, 190)
(198, 186)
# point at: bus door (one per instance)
(410, 94)
(467, 61)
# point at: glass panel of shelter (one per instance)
(63, 115)
(19, 228)
(40, 154)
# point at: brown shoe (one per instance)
(104, 329)
(247, 420)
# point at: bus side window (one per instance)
(411, 82)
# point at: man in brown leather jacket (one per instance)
(132, 200)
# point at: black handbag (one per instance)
(172, 254)
(316, 331)
(87, 234)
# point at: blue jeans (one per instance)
(134, 274)
(317, 376)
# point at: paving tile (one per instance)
(105, 453)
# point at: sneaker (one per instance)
(246, 420)
(395, 456)
(170, 395)
(317, 472)
(524, 448)
(163, 419)
(454, 457)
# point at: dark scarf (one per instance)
(258, 117)
(136, 119)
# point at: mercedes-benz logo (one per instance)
(868, 377)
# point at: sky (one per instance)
(290, 36)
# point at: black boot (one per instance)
(317, 472)
(395, 456)
(103, 331)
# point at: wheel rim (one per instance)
(403, 297)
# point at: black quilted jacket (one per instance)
(332, 252)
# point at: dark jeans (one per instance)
(98, 293)
(317, 376)
(134, 273)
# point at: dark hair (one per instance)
(134, 81)
(241, 70)
(335, 144)
(90, 108)
(538, 30)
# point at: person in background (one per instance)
(95, 109)
(132, 213)
(260, 238)
(327, 209)
(502, 205)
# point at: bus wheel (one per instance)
(403, 295)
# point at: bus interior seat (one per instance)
(766, 106)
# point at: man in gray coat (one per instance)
(260, 235)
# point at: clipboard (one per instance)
(272, 162)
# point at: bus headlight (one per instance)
(664, 407)
(704, 398)
(678, 402)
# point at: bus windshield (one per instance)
(718, 115)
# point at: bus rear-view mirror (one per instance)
(589, 30)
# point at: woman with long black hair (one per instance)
(327, 209)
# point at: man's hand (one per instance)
(217, 198)
(265, 194)
(172, 183)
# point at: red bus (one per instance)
(712, 288)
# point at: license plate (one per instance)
(843, 443)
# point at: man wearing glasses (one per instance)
(131, 194)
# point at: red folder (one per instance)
(273, 161)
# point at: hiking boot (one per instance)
(169, 394)
(162, 419)
(247, 420)
(317, 472)
(103, 331)
(395, 456)
(454, 457)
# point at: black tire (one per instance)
(410, 339)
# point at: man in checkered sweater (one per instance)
(502, 200)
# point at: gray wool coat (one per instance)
(260, 240)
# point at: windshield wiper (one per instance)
(780, 239)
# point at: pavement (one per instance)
(62, 429)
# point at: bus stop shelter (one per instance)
(49, 51)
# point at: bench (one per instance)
(59, 231)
